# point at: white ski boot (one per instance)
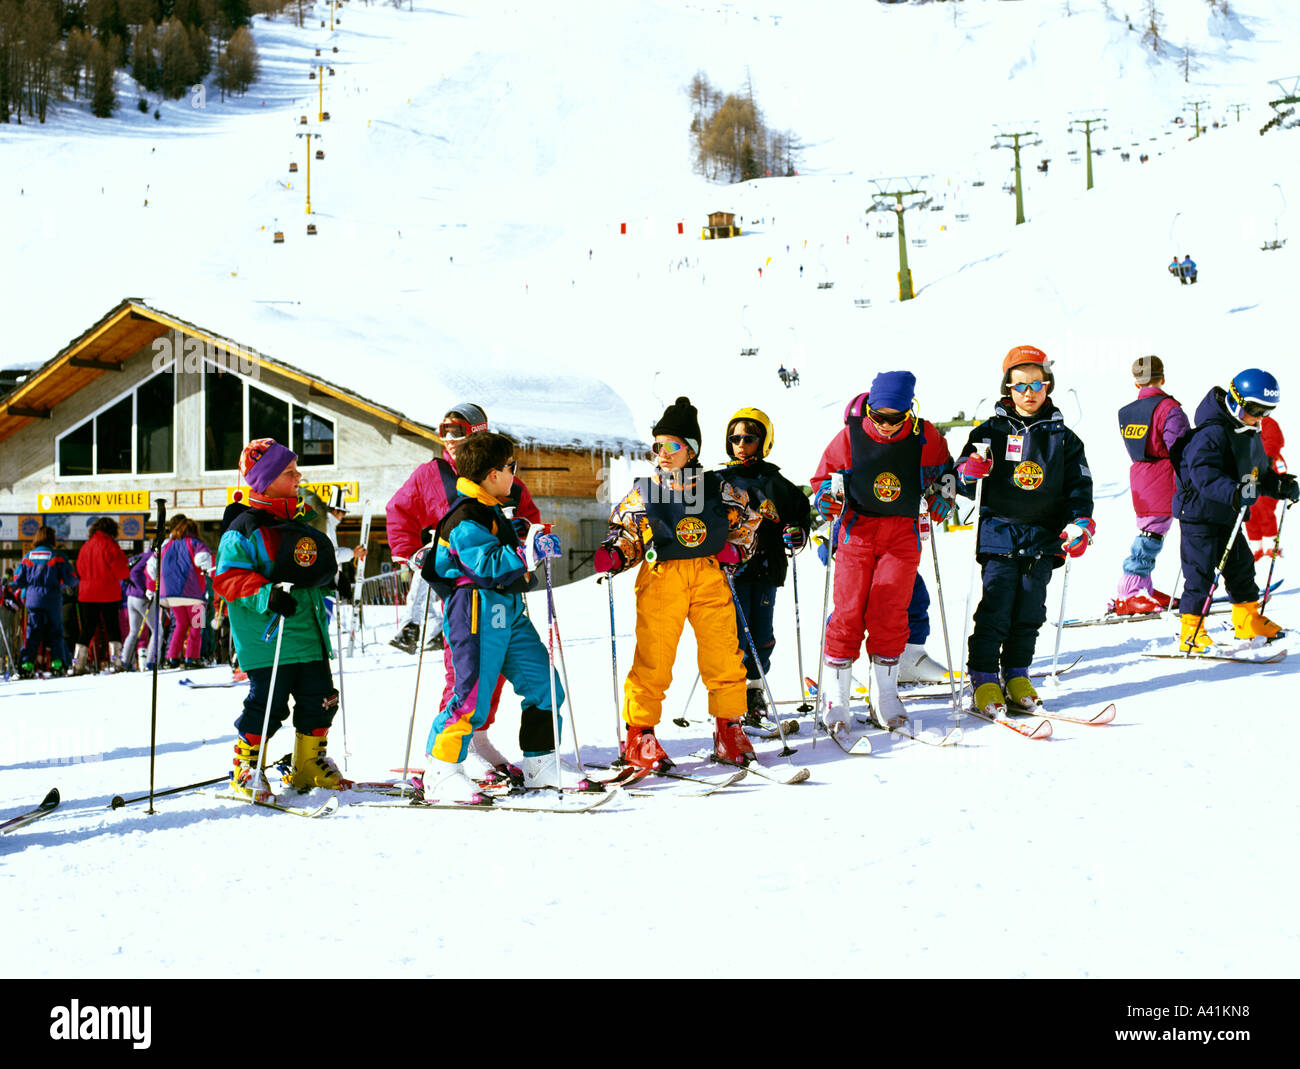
(917, 666)
(446, 783)
(886, 706)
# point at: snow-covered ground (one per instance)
(478, 165)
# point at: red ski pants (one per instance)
(875, 569)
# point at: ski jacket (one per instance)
(424, 499)
(631, 530)
(476, 546)
(137, 584)
(1040, 482)
(102, 567)
(251, 558)
(184, 561)
(42, 574)
(781, 504)
(1222, 465)
(1150, 426)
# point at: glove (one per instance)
(282, 602)
(1288, 488)
(540, 545)
(521, 525)
(939, 507)
(794, 538)
(829, 506)
(729, 557)
(608, 560)
(1077, 535)
(975, 467)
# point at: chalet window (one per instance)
(132, 435)
(236, 411)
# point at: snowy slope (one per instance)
(506, 148)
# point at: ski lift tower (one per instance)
(1197, 128)
(1285, 105)
(1086, 125)
(1012, 141)
(888, 197)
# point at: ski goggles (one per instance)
(888, 419)
(453, 430)
(666, 448)
(1028, 387)
(1256, 408)
(743, 439)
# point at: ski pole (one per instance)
(786, 751)
(553, 629)
(415, 698)
(118, 801)
(1277, 548)
(1060, 621)
(156, 637)
(270, 699)
(821, 655)
(343, 716)
(983, 449)
(613, 663)
(1214, 582)
(803, 706)
(943, 621)
(682, 721)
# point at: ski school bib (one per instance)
(1030, 488)
(682, 525)
(1135, 426)
(885, 478)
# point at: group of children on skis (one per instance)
(712, 546)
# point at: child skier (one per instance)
(786, 521)
(480, 568)
(42, 574)
(412, 513)
(186, 560)
(1222, 469)
(1036, 507)
(684, 526)
(271, 566)
(1149, 426)
(892, 462)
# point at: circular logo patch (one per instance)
(1027, 475)
(887, 486)
(691, 531)
(304, 553)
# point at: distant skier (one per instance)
(1223, 468)
(42, 574)
(1189, 270)
(1149, 427)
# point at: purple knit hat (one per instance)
(262, 462)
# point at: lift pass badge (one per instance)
(1015, 446)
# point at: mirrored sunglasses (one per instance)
(742, 439)
(1028, 387)
(666, 448)
(511, 465)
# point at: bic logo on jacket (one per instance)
(1027, 476)
(691, 531)
(1135, 430)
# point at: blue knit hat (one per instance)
(893, 389)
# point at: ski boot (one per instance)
(26, 670)
(56, 668)
(1249, 622)
(407, 640)
(435, 644)
(1194, 637)
(80, 657)
(642, 750)
(447, 783)
(247, 779)
(1136, 604)
(541, 770)
(755, 704)
(917, 666)
(989, 698)
(886, 706)
(834, 715)
(1021, 696)
(730, 741)
(311, 768)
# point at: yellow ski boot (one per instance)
(1194, 636)
(247, 779)
(311, 768)
(1249, 622)
(1021, 696)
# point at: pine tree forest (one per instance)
(732, 142)
(55, 50)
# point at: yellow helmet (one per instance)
(754, 415)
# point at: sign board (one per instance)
(69, 527)
(100, 502)
(351, 491)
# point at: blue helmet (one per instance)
(1252, 392)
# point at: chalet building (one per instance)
(721, 225)
(144, 406)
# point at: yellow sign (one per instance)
(95, 501)
(351, 491)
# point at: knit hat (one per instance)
(893, 389)
(262, 462)
(1146, 369)
(681, 420)
(1023, 355)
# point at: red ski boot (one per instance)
(730, 741)
(642, 749)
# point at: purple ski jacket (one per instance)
(1152, 483)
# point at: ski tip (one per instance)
(52, 798)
